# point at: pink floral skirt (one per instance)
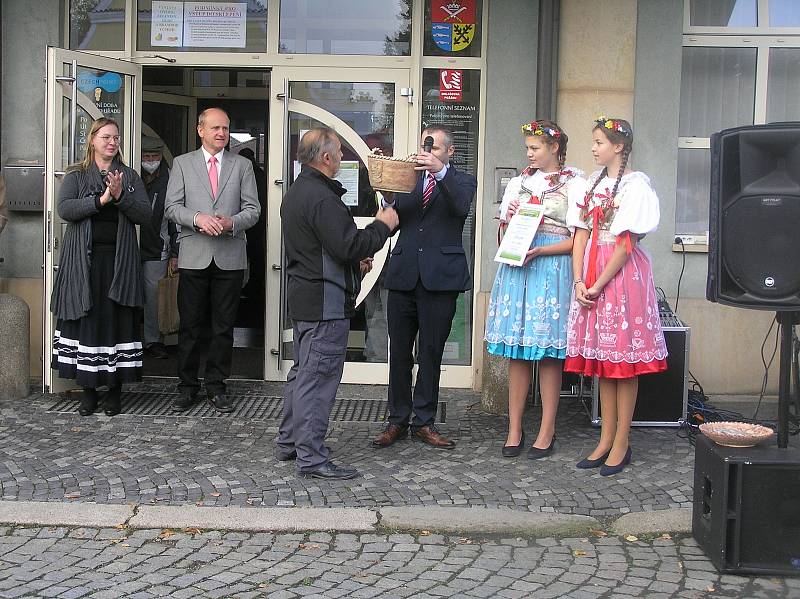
(620, 336)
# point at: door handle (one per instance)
(278, 182)
(277, 267)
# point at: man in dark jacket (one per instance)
(427, 270)
(158, 243)
(326, 256)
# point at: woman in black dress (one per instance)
(98, 293)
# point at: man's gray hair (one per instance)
(316, 142)
(446, 133)
(201, 118)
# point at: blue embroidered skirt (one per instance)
(529, 306)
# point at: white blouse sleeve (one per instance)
(512, 191)
(576, 193)
(638, 207)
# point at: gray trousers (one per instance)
(319, 354)
(153, 271)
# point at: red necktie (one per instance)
(213, 176)
(428, 192)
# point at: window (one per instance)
(741, 66)
(97, 25)
(377, 27)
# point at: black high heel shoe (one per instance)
(88, 402)
(512, 451)
(606, 470)
(113, 400)
(534, 453)
(586, 463)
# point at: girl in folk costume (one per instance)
(614, 327)
(527, 316)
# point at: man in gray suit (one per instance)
(212, 195)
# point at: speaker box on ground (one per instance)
(754, 208)
(745, 515)
(662, 397)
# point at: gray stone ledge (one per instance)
(678, 520)
(50, 513)
(255, 519)
(484, 521)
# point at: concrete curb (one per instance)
(46, 513)
(256, 519)
(476, 520)
(677, 520)
(484, 521)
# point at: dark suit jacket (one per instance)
(430, 247)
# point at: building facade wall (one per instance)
(29, 26)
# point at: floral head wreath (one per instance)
(612, 124)
(536, 128)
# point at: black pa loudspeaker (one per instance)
(746, 515)
(754, 212)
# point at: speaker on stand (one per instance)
(754, 245)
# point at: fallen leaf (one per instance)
(465, 541)
(598, 533)
(115, 540)
(165, 534)
(710, 588)
(578, 553)
(72, 495)
(192, 531)
(584, 540)
(214, 494)
(301, 546)
(124, 545)
(424, 533)
(76, 429)
(199, 504)
(631, 538)
(666, 537)
(120, 527)
(263, 585)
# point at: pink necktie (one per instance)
(213, 177)
(428, 192)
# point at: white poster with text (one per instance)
(215, 24)
(167, 24)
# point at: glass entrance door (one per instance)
(366, 113)
(80, 88)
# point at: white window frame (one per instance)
(763, 38)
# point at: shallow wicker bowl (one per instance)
(386, 174)
(736, 434)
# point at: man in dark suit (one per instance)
(427, 270)
(212, 195)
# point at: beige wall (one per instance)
(596, 66)
(30, 291)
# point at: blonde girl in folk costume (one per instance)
(614, 327)
(529, 305)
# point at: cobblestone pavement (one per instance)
(175, 460)
(71, 563)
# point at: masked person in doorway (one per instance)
(427, 270)
(326, 256)
(98, 291)
(158, 243)
(212, 196)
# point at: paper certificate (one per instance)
(519, 235)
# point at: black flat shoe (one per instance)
(221, 403)
(534, 453)
(586, 463)
(606, 470)
(512, 451)
(183, 402)
(88, 402)
(330, 471)
(113, 401)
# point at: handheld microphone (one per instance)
(427, 145)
